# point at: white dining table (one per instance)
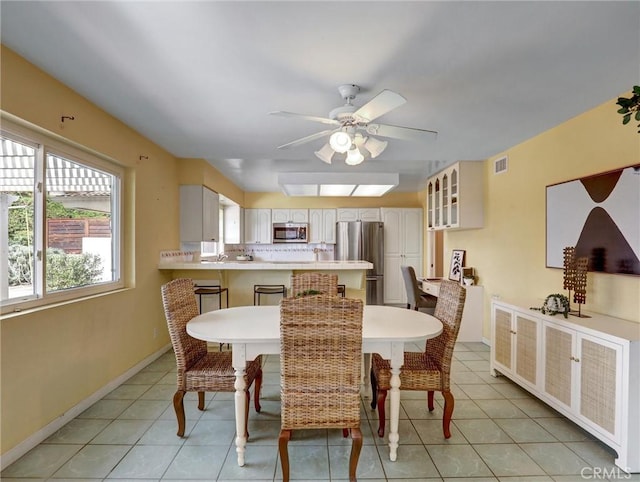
(255, 330)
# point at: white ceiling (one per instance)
(199, 78)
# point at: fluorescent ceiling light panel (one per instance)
(336, 189)
(372, 190)
(337, 183)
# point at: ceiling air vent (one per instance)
(500, 165)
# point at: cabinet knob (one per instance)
(513, 332)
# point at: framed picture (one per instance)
(600, 216)
(457, 261)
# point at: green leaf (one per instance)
(624, 110)
(636, 89)
(638, 115)
(626, 118)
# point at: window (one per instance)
(60, 212)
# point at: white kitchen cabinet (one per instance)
(322, 226)
(402, 247)
(199, 214)
(290, 215)
(257, 226)
(455, 197)
(588, 369)
(358, 214)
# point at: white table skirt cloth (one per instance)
(255, 330)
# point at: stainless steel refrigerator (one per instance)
(364, 241)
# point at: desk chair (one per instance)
(198, 369)
(321, 354)
(416, 298)
(429, 371)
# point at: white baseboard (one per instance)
(32, 441)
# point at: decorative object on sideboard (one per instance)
(554, 304)
(575, 278)
(457, 261)
(630, 105)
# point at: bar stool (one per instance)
(205, 290)
(342, 290)
(267, 290)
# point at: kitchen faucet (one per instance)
(221, 257)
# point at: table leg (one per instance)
(239, 365)
(397, 359)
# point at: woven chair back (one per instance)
(321, 282)
(180, 306)
(320, 363)
(449, 311)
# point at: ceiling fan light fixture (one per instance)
(340, 141)
(354, 157)
(375, 146)
(325, 153)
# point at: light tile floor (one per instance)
(499, 432)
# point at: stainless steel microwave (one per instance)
(290, 233)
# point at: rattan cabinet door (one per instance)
(526, 349)
(600, 382)
(502, 346)
(558, 363)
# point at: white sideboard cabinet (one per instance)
(588, 369)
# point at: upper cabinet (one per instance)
(455, 197)
(322, 226)
(358, 214)
(199, 214)
(290, 215)
(257, 226)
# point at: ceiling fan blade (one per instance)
(382, 103)
(397, 132)
(304, 140)
(324, 120)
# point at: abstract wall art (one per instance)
(600, 216)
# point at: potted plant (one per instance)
(554, 304)
(630, 105)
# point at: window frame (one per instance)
(46, 143)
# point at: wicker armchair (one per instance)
(198, 369)
(416, 299)
(428, 371)
(320, 363)
(323, 283)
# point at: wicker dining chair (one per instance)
(319, 283)
(198, 369)
(320, 363)
(416, 299)
(429, 371)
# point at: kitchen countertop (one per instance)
(269, 265)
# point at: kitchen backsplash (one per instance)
(278, 252)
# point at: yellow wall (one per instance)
(53, 358)
(509, 252)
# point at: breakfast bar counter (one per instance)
(241, 276)
(269, 265)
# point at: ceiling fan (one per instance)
(349, 122)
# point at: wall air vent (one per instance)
(500, 165)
